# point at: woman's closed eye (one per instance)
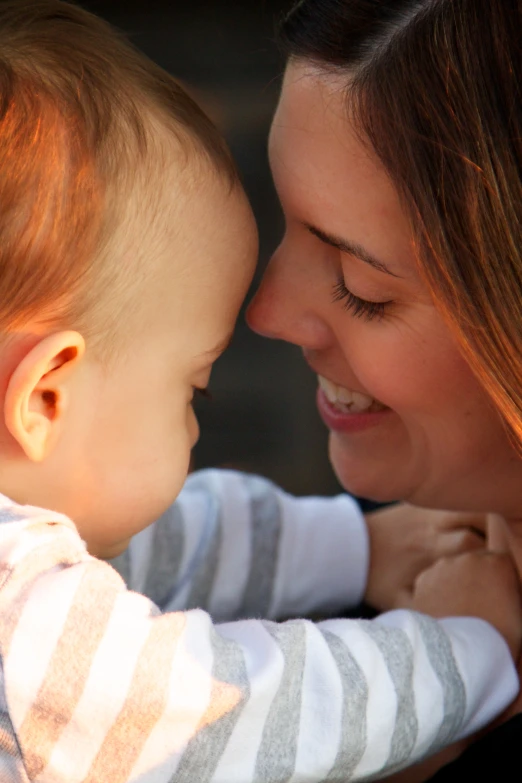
(360, 308)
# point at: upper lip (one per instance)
(333, 380)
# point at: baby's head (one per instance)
(126, 248)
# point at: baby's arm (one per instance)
(238, 546)
(98, 685)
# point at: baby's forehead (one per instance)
(190, 248)
(181, 201)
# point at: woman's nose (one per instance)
(286, 305)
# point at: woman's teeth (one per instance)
(348, 401)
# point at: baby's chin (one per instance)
(108, 551)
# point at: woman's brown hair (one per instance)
(435, 86)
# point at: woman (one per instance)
(396, 152)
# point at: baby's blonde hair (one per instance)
(78, 108)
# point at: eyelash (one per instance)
(360, 308)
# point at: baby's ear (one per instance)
(39, 390)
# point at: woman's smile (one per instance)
(346, 411)
(348, 401)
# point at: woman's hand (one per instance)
(500, 540)
(475, 584)
(405, 540)
(484, 584)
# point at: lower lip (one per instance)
(348, 422)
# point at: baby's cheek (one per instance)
(192, 427)
(183, 438)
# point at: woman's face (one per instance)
(430, 434)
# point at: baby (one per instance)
(126, 248)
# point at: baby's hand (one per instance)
(478, 584)
(405, 540)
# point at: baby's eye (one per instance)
(360, 308)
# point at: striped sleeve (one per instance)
(238, 546)
(98, 685)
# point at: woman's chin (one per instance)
(366, 477)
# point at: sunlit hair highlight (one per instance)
(80, 110)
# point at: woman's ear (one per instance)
(39, 390)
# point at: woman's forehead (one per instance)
(313, 133)
(327, 177)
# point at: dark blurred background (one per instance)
(262, 417)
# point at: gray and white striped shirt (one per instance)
(100, 684)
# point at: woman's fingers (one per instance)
(457, 542)
(477, 584)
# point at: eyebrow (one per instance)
(354, 249)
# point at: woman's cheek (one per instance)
(392, 373)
